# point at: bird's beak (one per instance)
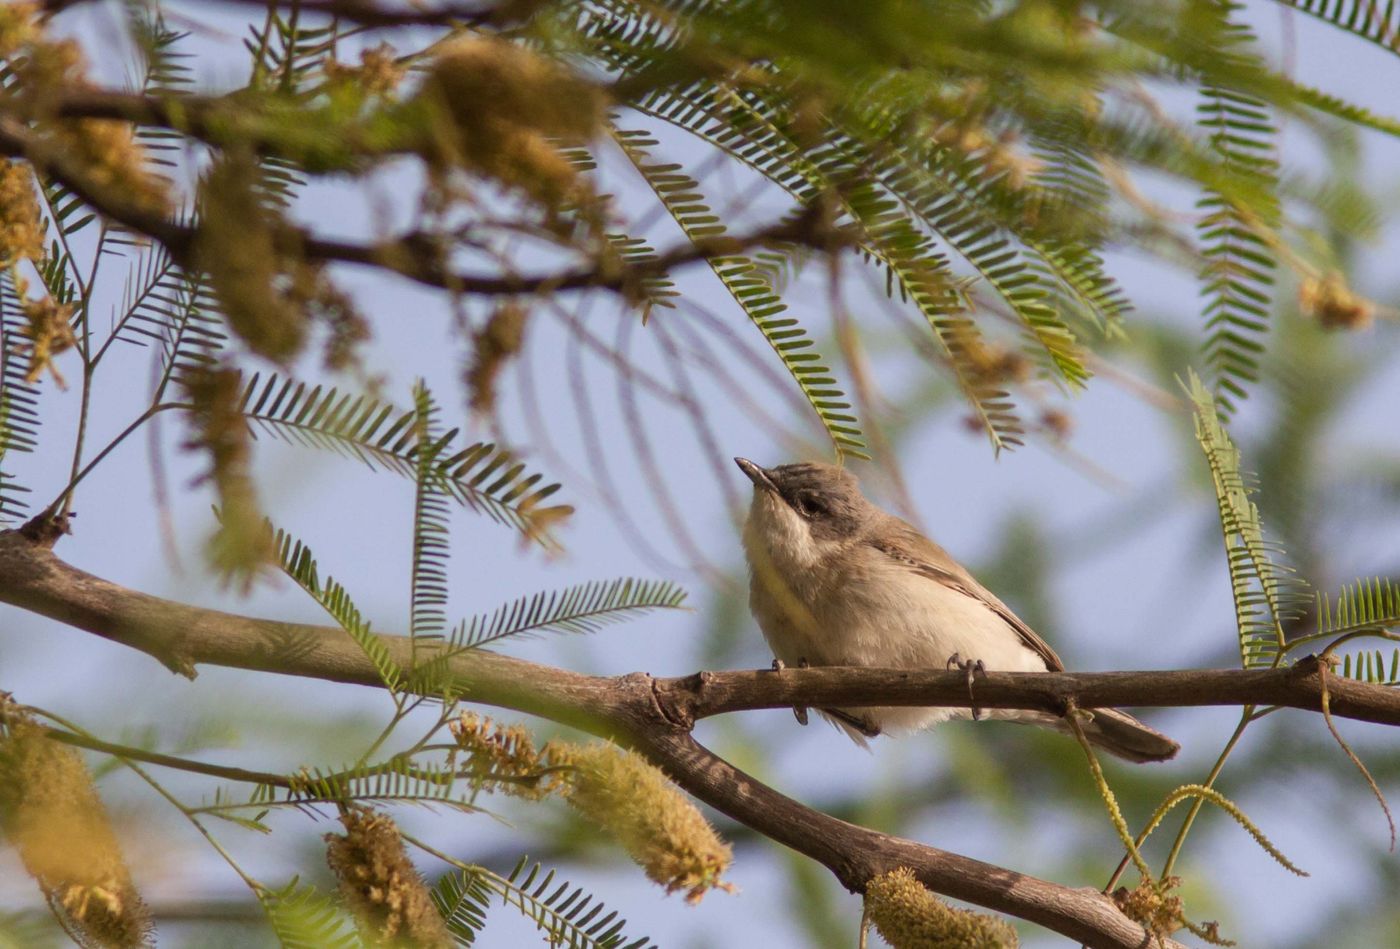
(756, 474)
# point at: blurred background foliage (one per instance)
(978, 173)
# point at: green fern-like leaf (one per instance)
(950, 194)
(176, 310)
(297, 562)
(1267, 594)
(749, 287)
(164, 71)
(19, 400)
(1350, 112)
(288, 55)
(566, 914)
(1368, 604)
(1238, 274)
(481, 477)
(658, 289)
(921, 275)
(1371, 666)
(1374, 22)
(463, 898)
(945, 194)
(431, 536)
(68, 212)
(1070, 179)
(304, 918)
(395, 781)
(585, 608)
(746, 128)
(288, 60)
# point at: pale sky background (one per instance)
(358, 524)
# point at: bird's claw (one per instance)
(972, 668)
(799, 712)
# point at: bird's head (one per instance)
(803, 511)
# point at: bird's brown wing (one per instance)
(902, 542)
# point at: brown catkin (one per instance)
(243, 246)
(104, 151)
(492, 347)
(381, 885)
(618, 790)
(1153, 904)
(48, 332)
(50, 812)
(115, 162)
(267, 288)
(243, 544)
(1333, 304)
(18, 26)
(656, 824)
(908, 916)
(378, 74)
(503, 757)
(495, 107)
(21, 230)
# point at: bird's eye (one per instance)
(809, 505)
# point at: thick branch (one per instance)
(655, 716)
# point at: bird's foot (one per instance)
(972, 668)
(799, 712)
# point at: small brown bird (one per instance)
(835, 581)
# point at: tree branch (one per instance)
(412, 255)
(374, 14)
(654, 716)
(1298, 686)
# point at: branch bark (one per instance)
(655, 715)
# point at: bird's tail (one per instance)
(1119, 734)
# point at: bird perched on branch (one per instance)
(835, 581)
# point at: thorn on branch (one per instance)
(47, 527)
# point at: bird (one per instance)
(836, 581)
